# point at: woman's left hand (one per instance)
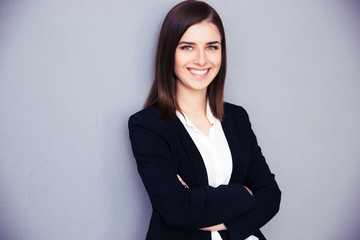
(218, 227)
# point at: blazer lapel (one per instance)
(236, 148)
(192, 152)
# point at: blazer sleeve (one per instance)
(265, 189)
(178, 206)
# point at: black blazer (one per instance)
(163, 149)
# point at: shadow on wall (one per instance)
(9, 229)
(4, 11)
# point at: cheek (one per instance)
(178, 61)
(216, 59)
(176, 64)
(181, 59)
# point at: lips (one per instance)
(199, 72)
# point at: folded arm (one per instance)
(265, 191)
(189, 208)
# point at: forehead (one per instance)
(204, 31)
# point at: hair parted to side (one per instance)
(176, 22)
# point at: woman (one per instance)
(197, 156)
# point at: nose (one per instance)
(200, 58)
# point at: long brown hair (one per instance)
(176, 22)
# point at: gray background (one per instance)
(71, 73)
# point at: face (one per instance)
(198, 57)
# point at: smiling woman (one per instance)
(198, 156)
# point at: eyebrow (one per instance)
(191, 43)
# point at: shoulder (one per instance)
(232, 111)
(146, 113)
(149, 117)
(147, 127)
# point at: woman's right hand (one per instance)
(249, 191)
(182, 181)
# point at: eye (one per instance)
(211, 47)
(187, 48)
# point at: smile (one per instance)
(198, 72)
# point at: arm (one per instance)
(218, 227)
(265, 189)
(187, 208)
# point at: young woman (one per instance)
(198, 156)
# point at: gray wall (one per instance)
(71, 73)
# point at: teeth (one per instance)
(198, 72)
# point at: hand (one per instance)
(249, 191)
(182, 181)
(218, 227)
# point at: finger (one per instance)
(205, 229)
(249, 191)
(182, 181)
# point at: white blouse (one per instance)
(215, 152)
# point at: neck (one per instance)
(192, 102)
